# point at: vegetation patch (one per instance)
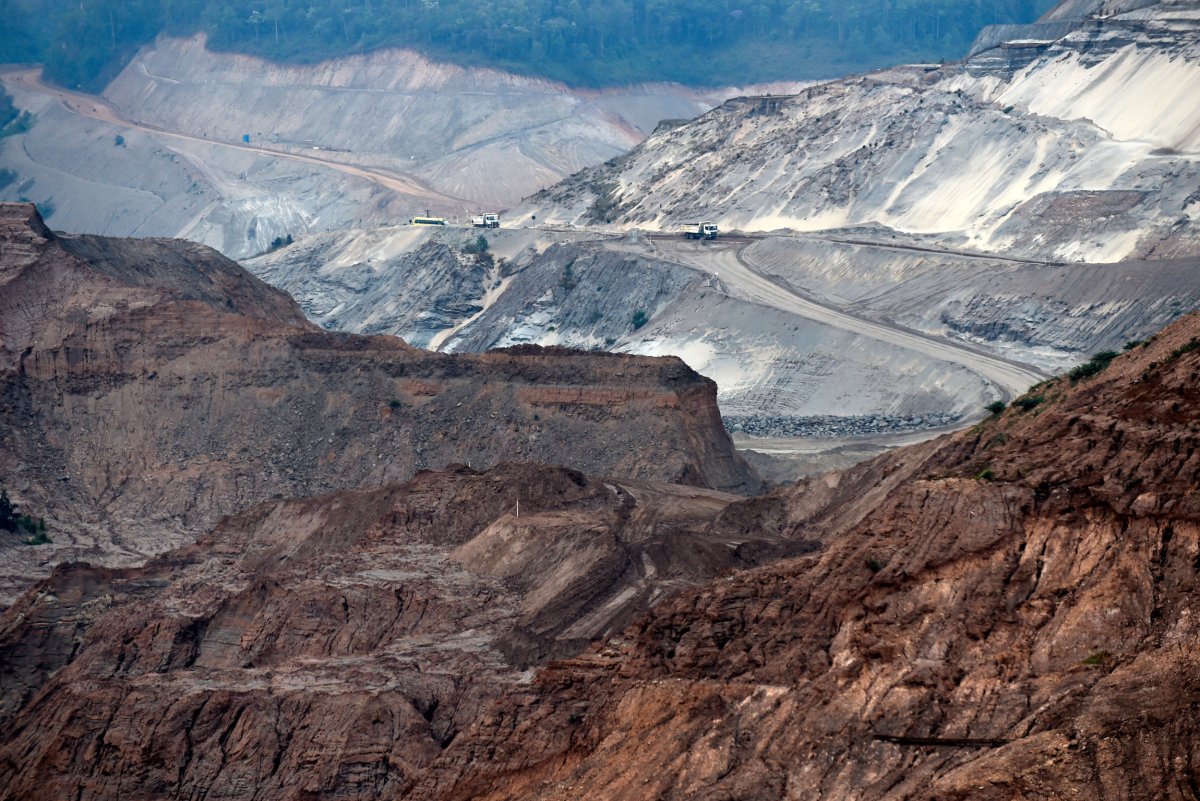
(1192, 344)
(477, 245)
(12, 521)
(996, 408)
(12, 120)
(583, 42)
(280, 242)
(1093, 366)
(567, 280)
(1029, 402)
(604, 204)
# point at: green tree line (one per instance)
(84, 43)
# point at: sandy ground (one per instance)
(99, 109)
(726, 260)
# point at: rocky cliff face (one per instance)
(151, 386)
(1086, 151)
(334, 647)
(1008, 613)
(1013, 618)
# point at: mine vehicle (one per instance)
(701, 230)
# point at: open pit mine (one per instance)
(889, 490)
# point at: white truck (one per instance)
(486, 221)
(700, 230)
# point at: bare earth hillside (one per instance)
(1014, 618)
(361, 140)
(1006, 613)
(150, 386)
(1079, 145)
(334, 646)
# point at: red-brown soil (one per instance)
(1005, 614)
(1016, 619)
(148, 387)
(333, 647)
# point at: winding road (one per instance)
(727, 259)
(97, 108)
(744, 280)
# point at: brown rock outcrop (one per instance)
(1004, 614)
(333, 647)
(149, 386)
(1016, 618)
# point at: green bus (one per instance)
(426, 221)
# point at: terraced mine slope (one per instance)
(150, 386)
(1013, 618)
(334, 646)
(959, 233)
(1006, 613)
(362, 140)
(1081, 145)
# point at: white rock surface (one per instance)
(1089, 152)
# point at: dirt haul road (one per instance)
(99, 109)
(742, 279)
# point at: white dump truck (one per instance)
(700, 230)
(486, 221)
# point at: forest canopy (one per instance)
(85, 43)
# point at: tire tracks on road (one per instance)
(99, 109)
(744, 280)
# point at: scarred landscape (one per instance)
(886, 490)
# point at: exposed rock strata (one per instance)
(1006, 613)
(1083, 148)
(150, 386)
(335, 646)
(1014, 619)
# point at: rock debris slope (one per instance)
(1013, 617)
(333, 647)
(1008, 613)
(585, 295)
(1084, 151)
(150, 386)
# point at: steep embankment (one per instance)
(1086, 149)
(481, 134)
(1013, 618)
(150, 386)
(335, 645)
(1008, 613)
(631, 297)
(363, 140)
